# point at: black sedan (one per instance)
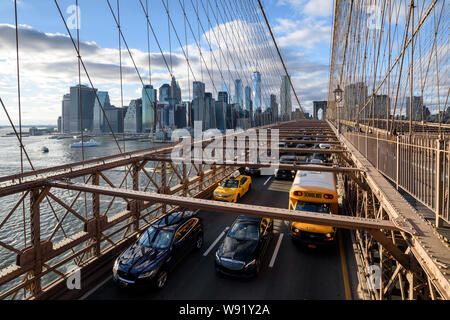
(244, 246)
(158, 250)
(284, 174)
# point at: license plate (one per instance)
(312, 246)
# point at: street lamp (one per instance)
(338, 94)
(338, 98)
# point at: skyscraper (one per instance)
(248, 99)
(165, 93)
(274, 107)
(238, 97)
(285, 99)
(417, 108)
(198, 90)
(148, 108)
(256, 91)
(82, 99)
(355, 97)
(198, 103)
(133, 118)
(222, 96)
(99, 118)
(66, 113)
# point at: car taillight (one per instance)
(298, 193)
(328, 196)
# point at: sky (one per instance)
(48, 60)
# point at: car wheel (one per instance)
(199, 242)
(161, 279)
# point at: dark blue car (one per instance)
(158, 250)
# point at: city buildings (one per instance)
(162, 109)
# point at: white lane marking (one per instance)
(215, 242)
(95, 288)
(267, 180)
(277, 248)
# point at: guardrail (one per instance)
(419, 165)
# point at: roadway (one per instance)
(289, 271)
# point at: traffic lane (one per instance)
(296, 274)
(196, 265)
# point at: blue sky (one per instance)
(49, 65)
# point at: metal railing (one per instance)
(419, 165)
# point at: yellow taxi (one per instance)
(233, 188)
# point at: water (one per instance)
(60, 152)
(12, 232)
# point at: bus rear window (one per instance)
(313, 207)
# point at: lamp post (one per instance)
(338, 98)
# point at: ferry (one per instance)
(90, 143)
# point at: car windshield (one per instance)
(313, 207)
(244, 231)
(156, 238)
(230, 183)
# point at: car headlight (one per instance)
(296, 230)
(148, 274)
(329, 235)
(250, 264)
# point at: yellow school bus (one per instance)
(313, 191)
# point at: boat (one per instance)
(44, 149)
(90, 143)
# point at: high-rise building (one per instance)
(248, 99)
(82, 99)
(221, 115)
(60, 124)
(180, 116)
(273, 107)
(285, 99)
(355, 97)
(149, 101)
(99, 124)
(238, 96)
(417, 108)
(226, 88)
(198, 103)
(165, 93)
(175, 92)
(380, 107)
(256, 91)
(66, 113)
(133, 118)
(115, 117)
(209, 111)
(198, 90)
(222, 96)
(198, 111)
